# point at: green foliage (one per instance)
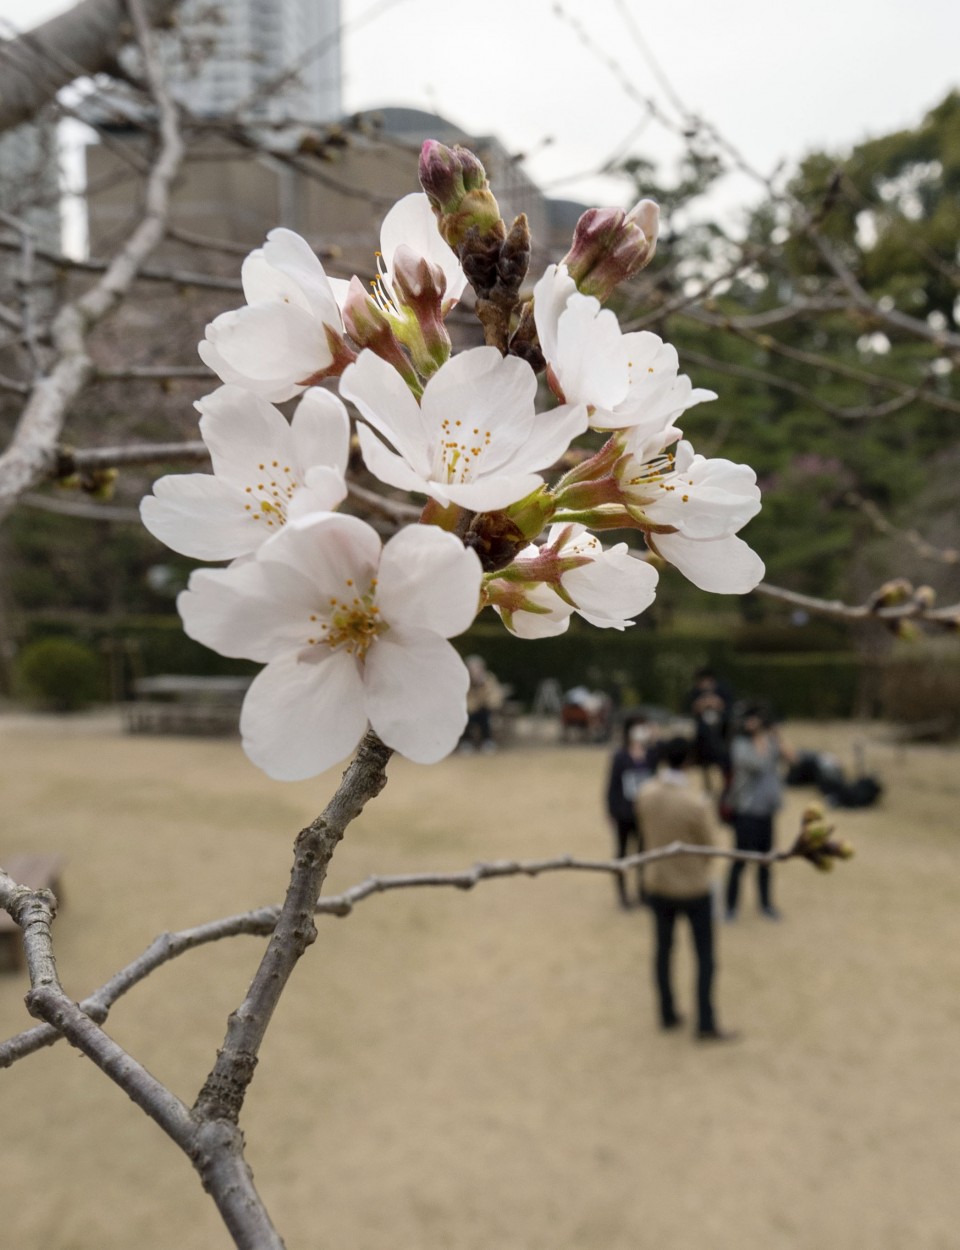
(647, 666)
(791, 387)
(60, 673)
(143, 646)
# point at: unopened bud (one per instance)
(610, 246)
(369, 326)
(925, 596)
(420, 287)
(456, 185)
(892, 593)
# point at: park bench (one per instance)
(173, 704)
(40, 871)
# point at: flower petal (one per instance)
(550, 297)
(331, 550)
(199, 516)
(250, 611)
(550, 435)
(613, 589)
(482, 390)
(726, 566)
(391, 468)
(429, 580)
(416, 693)
(532, 625)
(293, 256)
(270, 341)
(490, 493)
(323, 490)
(385, 401)
(592, 360)
(321, 431)
(301, 717)
(242, 431)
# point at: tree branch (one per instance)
(224, 1090)
(262, 922)
(894, 602)
(147, 273)
(84, 40)
(943, 555)
(32, 451)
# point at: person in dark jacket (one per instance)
(755, 795)
(709, 703)
(630, 767)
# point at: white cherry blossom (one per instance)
(701, 503)
(350, 632)
(474, 439)
(627, 380)
(266, 470)
(289, 333)
(608, 587)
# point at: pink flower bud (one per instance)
(456, 185)
(610, 246)
(369, 326)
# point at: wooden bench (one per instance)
(40, 871)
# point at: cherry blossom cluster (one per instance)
(353, 631)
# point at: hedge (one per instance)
(638, 665)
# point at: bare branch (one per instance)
(148, 273)
(894, 602)
(84, 40)
(767, 342)
(225, 1087)
(81, 509)
(155, 373)
(262, 922)
(34, 911)
(892, 317)
(32, 452)
(96, 458)
(393, 509)
(943, 555)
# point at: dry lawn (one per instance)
(483, 1070)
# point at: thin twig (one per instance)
(262, 921)
(943, 555)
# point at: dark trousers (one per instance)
(753, 833)
(628, 842)
(699, 911)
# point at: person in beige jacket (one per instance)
(670, 809)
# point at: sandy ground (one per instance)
(468, 1071)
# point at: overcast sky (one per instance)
(777, 80)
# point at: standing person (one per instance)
(632, 764)
(756, 793)
(484, 695)
(670, 809)
(710, 703)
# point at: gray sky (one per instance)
(778, 80)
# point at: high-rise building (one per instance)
(273, 59)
